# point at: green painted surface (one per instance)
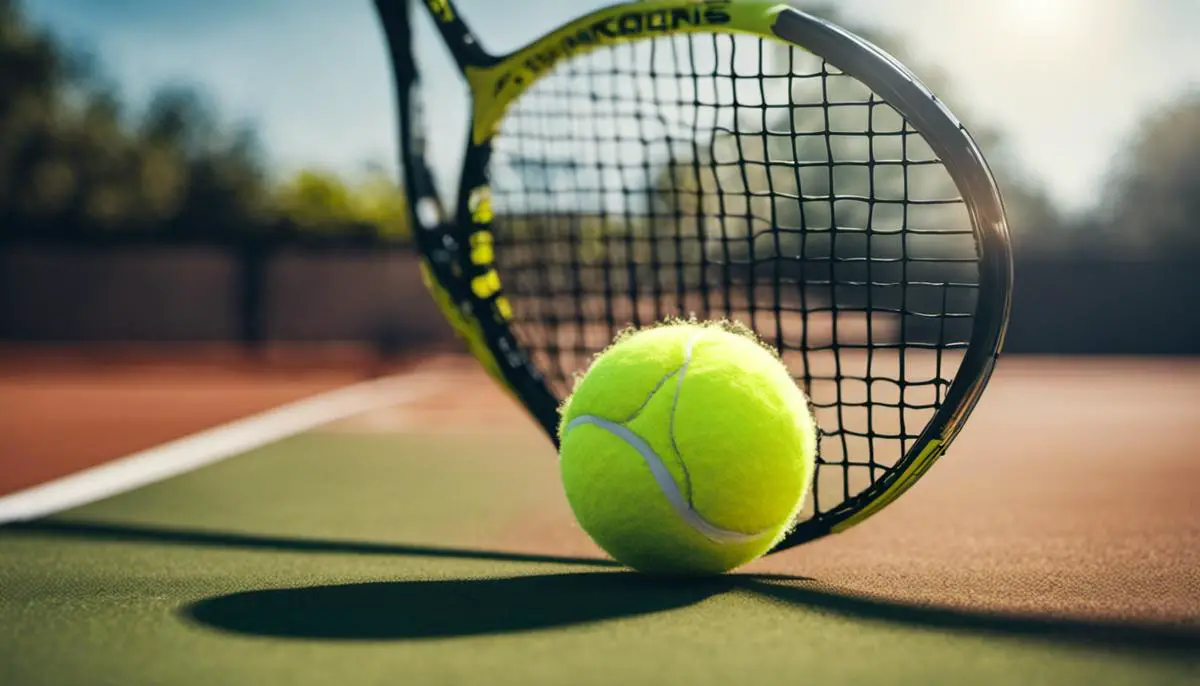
(343, 559)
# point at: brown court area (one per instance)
(1071, 492)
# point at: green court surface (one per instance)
(344, 558)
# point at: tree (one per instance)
(1153, 207)
(814, 177)
(817, 167)
(379, 201)
(72, 163)
(316, 200)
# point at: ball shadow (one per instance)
(446, 608)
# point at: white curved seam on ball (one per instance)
(687, 360)
(666, 483)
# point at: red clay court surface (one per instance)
(1072, 490)
(63, 409)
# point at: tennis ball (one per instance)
(686, 448)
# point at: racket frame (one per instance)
(457, 249)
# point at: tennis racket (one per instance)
(720, 159)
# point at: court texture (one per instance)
(225, 520)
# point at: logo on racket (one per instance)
(624, 25)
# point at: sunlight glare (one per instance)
(1039, 17)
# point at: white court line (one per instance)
(212, 445)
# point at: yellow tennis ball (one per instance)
(687, 448)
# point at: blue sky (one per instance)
(1066, 80)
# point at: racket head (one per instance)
(514, 266)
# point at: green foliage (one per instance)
(314, 199)
(816, 167)
(1153, 204)
(75, 164)
(320, 201)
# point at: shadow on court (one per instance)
(132, 533)
(447, 608)
(1162, 638)
(412, 610)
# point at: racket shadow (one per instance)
(1184, 641)
(133, 533)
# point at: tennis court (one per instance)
(426, 541)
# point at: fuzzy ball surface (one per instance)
(687, 448)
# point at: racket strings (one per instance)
(721, 176)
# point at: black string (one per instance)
(729, 177)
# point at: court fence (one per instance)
(373, 294)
